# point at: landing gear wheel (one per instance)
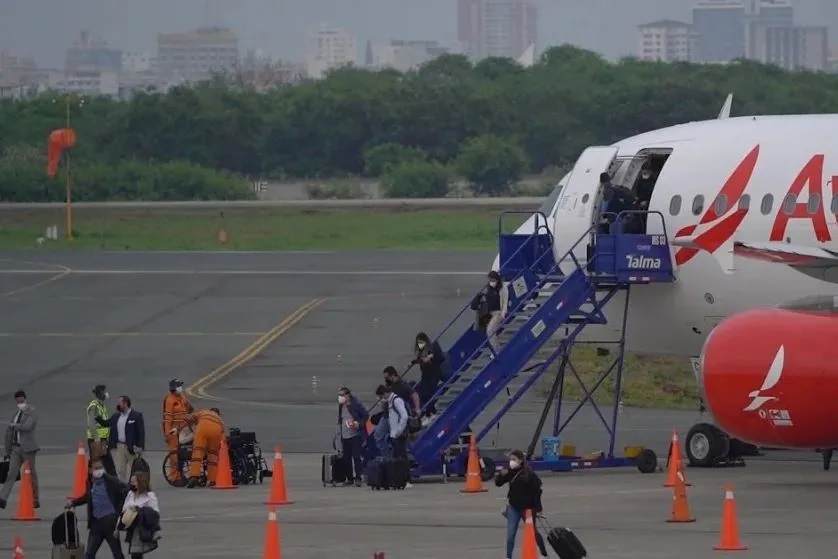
(706, 445)
(487, 469)
(647, 461)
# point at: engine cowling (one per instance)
(770, 377)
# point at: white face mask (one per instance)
(98, 473)
(341, 399)
(514, 464)
(493, 284)
(421, 345)
(646, 175)
(179, 390)
(21, 406)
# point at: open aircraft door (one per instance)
(579, 205)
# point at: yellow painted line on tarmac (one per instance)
(124, 334)
(198, 389)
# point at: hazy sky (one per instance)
(44, 28)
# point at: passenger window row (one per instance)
(722, 205)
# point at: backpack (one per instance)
(414, 424)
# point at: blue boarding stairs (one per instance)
(542, 301)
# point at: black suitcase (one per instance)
(4, 472)
(398, 473)
(377, 473)
(563, 541)
(332, 470)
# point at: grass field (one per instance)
(261, 229)
(648, 382)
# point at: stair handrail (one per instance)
(467, 306)
(524, 299)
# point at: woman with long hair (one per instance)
(142, 529)
(524, 494)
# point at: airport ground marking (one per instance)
(61, 273)
(198, 389)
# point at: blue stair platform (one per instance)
(547, 310)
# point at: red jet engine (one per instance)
(770, 377)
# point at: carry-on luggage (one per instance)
(388, 473)
(332, 470)
(377, 473)
(563, 541)
(4, 471)
(66, 543)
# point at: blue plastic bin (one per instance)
(550, 448)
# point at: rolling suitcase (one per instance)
(65, 537)
(332, 470)
(377, 473)
(398, 473)
(563, 541)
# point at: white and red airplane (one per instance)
(750, 208)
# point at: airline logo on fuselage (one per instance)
(772, 377)
(642, 262)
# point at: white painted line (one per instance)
(214, 252)
(116, 272)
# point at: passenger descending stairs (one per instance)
(542, 301)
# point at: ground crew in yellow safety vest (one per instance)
(97, 428)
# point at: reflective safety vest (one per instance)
(99, 431)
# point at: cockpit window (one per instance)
(546, 207)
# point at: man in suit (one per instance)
(21, 447)
(127, 437)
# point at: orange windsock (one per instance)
(224, 478)
(59, 140)
(26, 504)
(528, 546)
(676, 464)
(80, 476)
(279, 493)
(474, 483)
(680, 505)
(729, 538)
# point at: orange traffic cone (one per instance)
(378, 555)
(279, 495)
(224, 477)
(729, 539)
(18, 552)
(26, 504)
(474, 483)
(528, 546)
(272, 550)
(676, 464)
(680, 505)
(80, 477)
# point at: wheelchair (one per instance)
(246, 461)
(176, 467)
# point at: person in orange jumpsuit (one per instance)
(176, 408)
(209, 430)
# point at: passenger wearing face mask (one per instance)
(20, 447)
(104, 498)
(352, 416)
(140, 517)
(176, 409)
(491, 305)
(524, 494)
(98, 428)
(435, 369)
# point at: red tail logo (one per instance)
(716, 235)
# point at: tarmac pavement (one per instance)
(269, 337)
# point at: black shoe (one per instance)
(347, 483)
(358, 483)
(37, 504)
(2, 504)
(192, 483)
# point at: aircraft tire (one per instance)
(706, 445)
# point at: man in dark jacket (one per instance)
(524, 494)
(126, 440)
(104, 498)
(352, 420)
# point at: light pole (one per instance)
(68, 204)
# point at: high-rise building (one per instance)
(402, 55)
(328, 48)
(761, 13)
(504, 28)
(195, 55)
(719, 27)
(90, 55)
(790, 47)
(665, 41)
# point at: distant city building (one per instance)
(328, 48)
(503, 28)
(137, 62)
(261, 73)
(719, 27)
(790, 47)
(86, 82)
(402, 55)
(194, 56)
(19, 76)
(91, 55)
(665, 40)
(760, 14)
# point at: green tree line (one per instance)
(489, 123)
